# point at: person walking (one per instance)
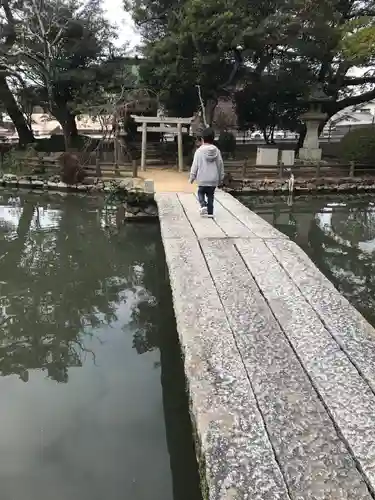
(208, 171)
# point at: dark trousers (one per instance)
(206, 198)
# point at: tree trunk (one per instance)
(71, 125)
(68, 124)
(68, 139)
(210, 110)
(25, 134)
(17, 246)
(265, 135)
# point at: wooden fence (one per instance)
(50, 166)
(95, 166)
(244, 170)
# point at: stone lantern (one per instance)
(311, 152)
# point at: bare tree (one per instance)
(8, 68)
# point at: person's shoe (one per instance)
(203, 211)
(211, 216)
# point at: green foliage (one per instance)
(174, 83)
(188, 144)
(245, 45)
(275, 102)
(192, 46)
(358, 40)
(227, 143)
(17, 161)
(130, 128)
(76, 54)
(359, 146)
(63, 57)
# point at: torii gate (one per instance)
(161, 122)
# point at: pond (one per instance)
(338, 234)
(93, 402)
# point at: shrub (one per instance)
(130, 127)
(227, 143)
(71, 170)
(17, 161)
(358, 145)
(188, 144)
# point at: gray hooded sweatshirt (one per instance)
(208, 167)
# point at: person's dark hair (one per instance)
(208, 135)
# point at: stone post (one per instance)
(267, 156)
(311, 152)
(287, 158)
(144, 146)
(180, 148)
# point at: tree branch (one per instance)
(11, 36)
(363, 80)
(7, 71)
(354, 100)
(33, 58)
(360, 13)
(237, 65)
(160, 17)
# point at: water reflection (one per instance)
(84, 303)
(338, 233)
(62, 278)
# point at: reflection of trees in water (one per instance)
(59, 285)
(354, 224)
(336, 253)
(152, 309)
(337, 250)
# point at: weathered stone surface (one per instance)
(252, 221)
(149, 186)
(230, 225)
(174, 223)
(314, 460)
(203, 227)
(267, 156)
(346, 395)
(348, 327)
(300, 370)
(239, 460)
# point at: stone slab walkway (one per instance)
(280, 367)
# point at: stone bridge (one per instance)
(280, 368)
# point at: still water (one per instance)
(92, 395)
(337, 232)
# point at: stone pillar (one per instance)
(149, 186)
(116, 153)
(144, 146)
(287, 158)
(311, 151)
(267, 156)
(180, 148)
